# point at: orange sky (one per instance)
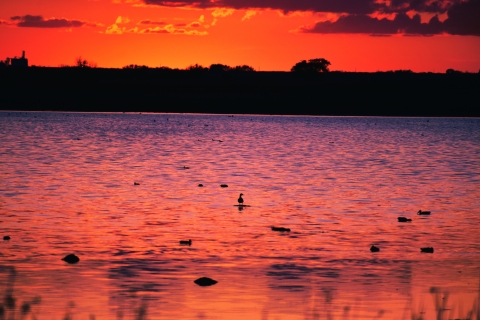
(272, 36)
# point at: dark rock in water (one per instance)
(200, 185)
(205, 282)
(423, 213)
(403, 219)
(374, 249)
(71, 258)
(427, 250)
(281, 229)
(6, 237)
(224, 185)
(186, 242)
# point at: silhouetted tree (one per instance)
(311, 66)
(83, 63)
(135, 66)
(243, 68)
(218, 67)
(452, 71)
(196, 67)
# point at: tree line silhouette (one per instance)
(304, 67)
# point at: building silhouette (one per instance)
(19, 62)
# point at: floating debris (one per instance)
(374, 249)
(224, 185)
(280, 229)
(205, 282)
(423, 213)
(186, 242)
(427, 250)
(6, 237)
(403, 219)
(71, 258)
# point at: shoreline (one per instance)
(263, 93)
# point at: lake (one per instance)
(121, 190)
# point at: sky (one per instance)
(268, 35)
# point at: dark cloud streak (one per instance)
(462, 20)
(30, 21)
(463, 15)
(338, 6)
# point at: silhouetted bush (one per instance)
(196, 67)
(219, 67)
(244, 68)
(135, 66)
(452, 71)
(83, 63)
(311, 66)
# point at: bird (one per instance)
(136, 184)
(71, 258)
(374, 249)
(200, 185)
(403, 219)
(427, 250)
(6, 237)
(186, 242)
(224, 185)
(240, 199)
(423, 213)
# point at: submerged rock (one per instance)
(280, 229)
(205, 282)
(71, 258)
(427, 250)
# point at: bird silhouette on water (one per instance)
(240, 199)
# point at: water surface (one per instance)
(339, 184)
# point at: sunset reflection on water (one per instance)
(339, 184)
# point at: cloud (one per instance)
(126, 1)
(249, 14)
(462, 20)
(5, 22)
(222, 12)
(142, 22)
(121, 19)
(115, 29)
(30, 21)
(168, 29)
(347, 6)
(401, 24)
(194, 24)
(155, 27)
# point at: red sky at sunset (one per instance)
(354, 35)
